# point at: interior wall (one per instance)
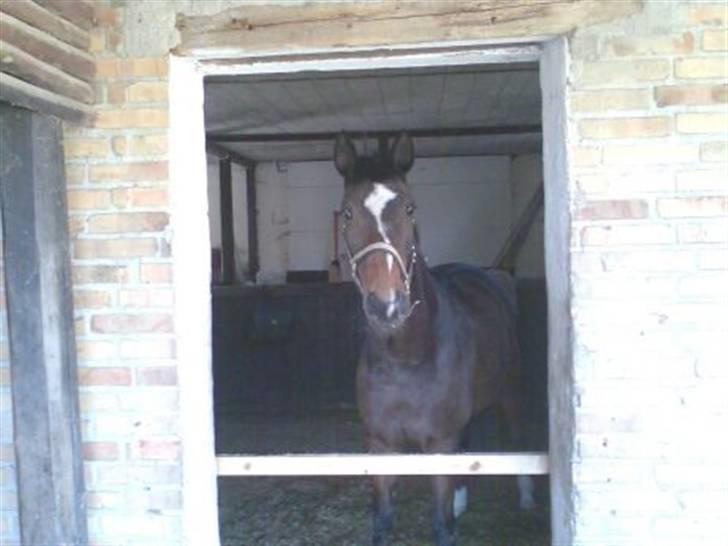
(463, 212)
(240, 213)
(526, 178)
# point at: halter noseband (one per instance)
(407, 270)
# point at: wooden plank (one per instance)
(251, 193)
(48, 49)
(36, 16)
(20, 93)
(26, 67)
(471, 464)
(227, 235)
(49, 460)
(265, 29)
(78, 12)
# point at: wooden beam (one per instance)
(342, 25)
(36, 16)
(471, 464)
(506, 257)
(415, 133)
(29, 96)
(78, 12)
(227, 236)
(69, 59)
(251, 192)
(44, 388)
(26, 67)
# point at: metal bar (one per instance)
(227, 235)
(472, 464)
(252, 202)
(415, 133)
(235, 157)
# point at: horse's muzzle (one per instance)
(387, 314)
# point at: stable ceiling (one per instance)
(503, 98)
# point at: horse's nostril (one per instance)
(385, 310)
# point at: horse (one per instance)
(440, 344)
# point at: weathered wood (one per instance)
(263, 29)
(227, 235)
(36, 16)
(78, 12)
(20, 93)
(48, 49)
(26, 67)
(41, 330)
(472, 464)
(251, 193)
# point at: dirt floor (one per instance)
(336, 511)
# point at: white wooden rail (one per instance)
(383, 465)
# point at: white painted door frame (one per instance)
(191, 247)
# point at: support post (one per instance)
(44, 384)
(226, 221)
(252, 200)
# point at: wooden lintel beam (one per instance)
(221, 152)
(20, 93)
(78, 12)
(341, 25)
(415, 133)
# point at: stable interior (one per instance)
(287, 324)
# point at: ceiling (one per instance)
(504, 99)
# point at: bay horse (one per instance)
(440, 345)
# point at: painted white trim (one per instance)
(472, 464)
(378, 59)
(191, 272)
(192, 294)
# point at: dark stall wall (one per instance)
(284, 348)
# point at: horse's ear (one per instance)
(403, 153)
(344, 155)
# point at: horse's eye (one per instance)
(410, 209)
(346, 212)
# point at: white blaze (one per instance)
(375, 203)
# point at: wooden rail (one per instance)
(471, 464)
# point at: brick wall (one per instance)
(648, 131)
(118, 206)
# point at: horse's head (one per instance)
(379, 228)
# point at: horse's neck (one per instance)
(415, 341)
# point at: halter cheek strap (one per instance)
(407, 270)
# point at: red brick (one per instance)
(155, 450)
(156, 273)
(132, 118)
(88, 199)
(691, 95)
(100, 451)
(140, 197)
(99, 274)
(128, 223)
(115, 248)
(129, 172)
(613, 210)
(139, 67)
(131, 323)
(104, 376)
(156, 375)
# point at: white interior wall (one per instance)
(240, 212)
(464, 212)
(526, 177)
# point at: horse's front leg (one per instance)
(383, 509)
(444, 517)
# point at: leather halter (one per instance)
(407, 269)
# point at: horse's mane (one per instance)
(373, 167)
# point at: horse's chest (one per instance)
(412, 409)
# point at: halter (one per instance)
(406, 270)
